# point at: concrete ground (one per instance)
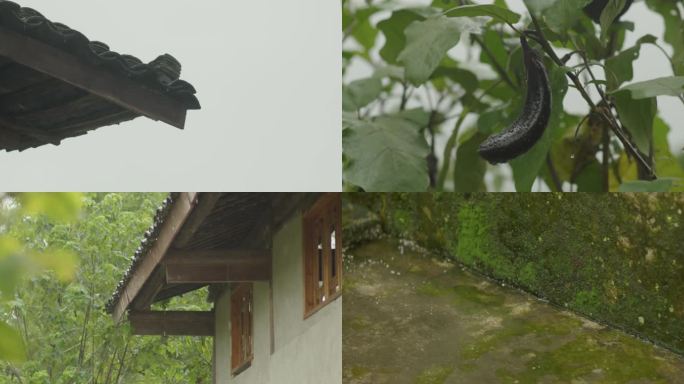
(411, 318)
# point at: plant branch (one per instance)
(432, 158)
(451, 142)
(593, 78)
(122, 361)
(606, 158)
(615, 127)
(449, 148)
(404, 96)
(497, 67)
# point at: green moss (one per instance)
(471, 246)
(586, 356)
(358, 372)
(349, 283)
(475, 240)
(466, 367)
(616, 256)
(514, 328)
(469, 293)
(587, 301)
(437, 374)
(360, 323)
(528, 274)
(430, 289)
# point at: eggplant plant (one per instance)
(433, 93)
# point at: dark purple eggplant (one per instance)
(529, 127)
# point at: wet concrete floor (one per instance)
(409, 317)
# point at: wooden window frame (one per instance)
(324, 215)
(241, 327)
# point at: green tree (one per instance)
(68, 336)
(19, 261)
(445, 76)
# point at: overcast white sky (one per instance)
(651, 64)
(268, 77)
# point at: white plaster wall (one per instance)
(306, 351)
(315, 356)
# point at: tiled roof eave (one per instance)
(149, 238)
(161, 74)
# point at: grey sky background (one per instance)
(267, 75)
(650, 64)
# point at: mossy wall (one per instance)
(618, 258)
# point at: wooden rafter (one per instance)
(174, 290)
(98, 81)
(172, 323)
(206, 203)
(15, 128)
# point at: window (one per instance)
(241, 327)
(322, 253)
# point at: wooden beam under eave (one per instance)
(98, 81)
(217, 273)
(182, 206)
(172, 323)
(217, 266)
(217, 257)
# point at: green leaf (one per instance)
(56, 206)
(469, 168)
(527, 166)
(11, 344)
(660, 185)
(619, 67)
(563, 14)
(363, 31)
(360, 93)
(62, 262)
(674, 30)
(637, 117)
(492, 40)
(8, 246)
(664, 86)
(608, 15)
(427, 42)
(591, 178)
(12, 269)
(417, 116)
(498, 13)
(464, 77)
(667, 165)
(390, 71)
(386, 154)
(393, 29)
(539, 6)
